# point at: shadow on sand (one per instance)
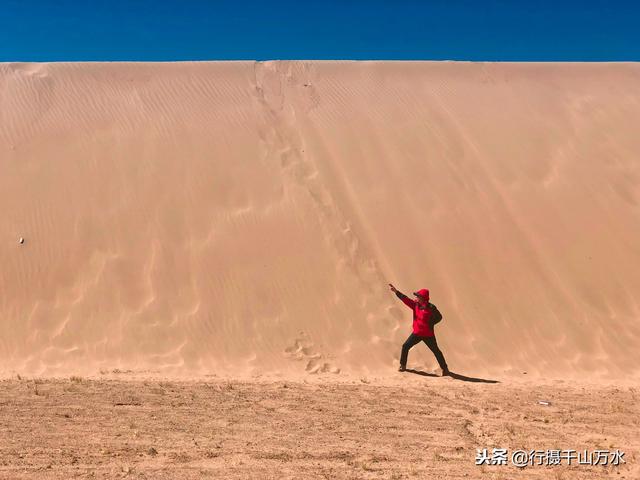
(457, 376)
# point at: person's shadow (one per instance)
(457, 376)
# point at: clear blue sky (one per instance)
(165, 30)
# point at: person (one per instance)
(424, 316)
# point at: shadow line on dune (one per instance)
(457, 376)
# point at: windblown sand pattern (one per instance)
(202, 217)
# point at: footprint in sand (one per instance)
(302, 350)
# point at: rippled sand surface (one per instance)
(246, 217)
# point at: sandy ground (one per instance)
(408, 426)
(244, 219)
(200, 217)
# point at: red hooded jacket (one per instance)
(421, 316)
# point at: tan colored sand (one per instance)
(428, 428)
(202, 217)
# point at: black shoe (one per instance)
(402, 368)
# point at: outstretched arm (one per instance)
(406, 300)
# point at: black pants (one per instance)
(431, 343)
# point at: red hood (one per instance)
(422, 293)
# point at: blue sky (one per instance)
(168, 30)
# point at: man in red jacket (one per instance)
(423, 313)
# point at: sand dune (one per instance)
(246, 217)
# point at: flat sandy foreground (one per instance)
(405, 426)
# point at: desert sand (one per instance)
(419, 427)
(205, 216)
(172, 222)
